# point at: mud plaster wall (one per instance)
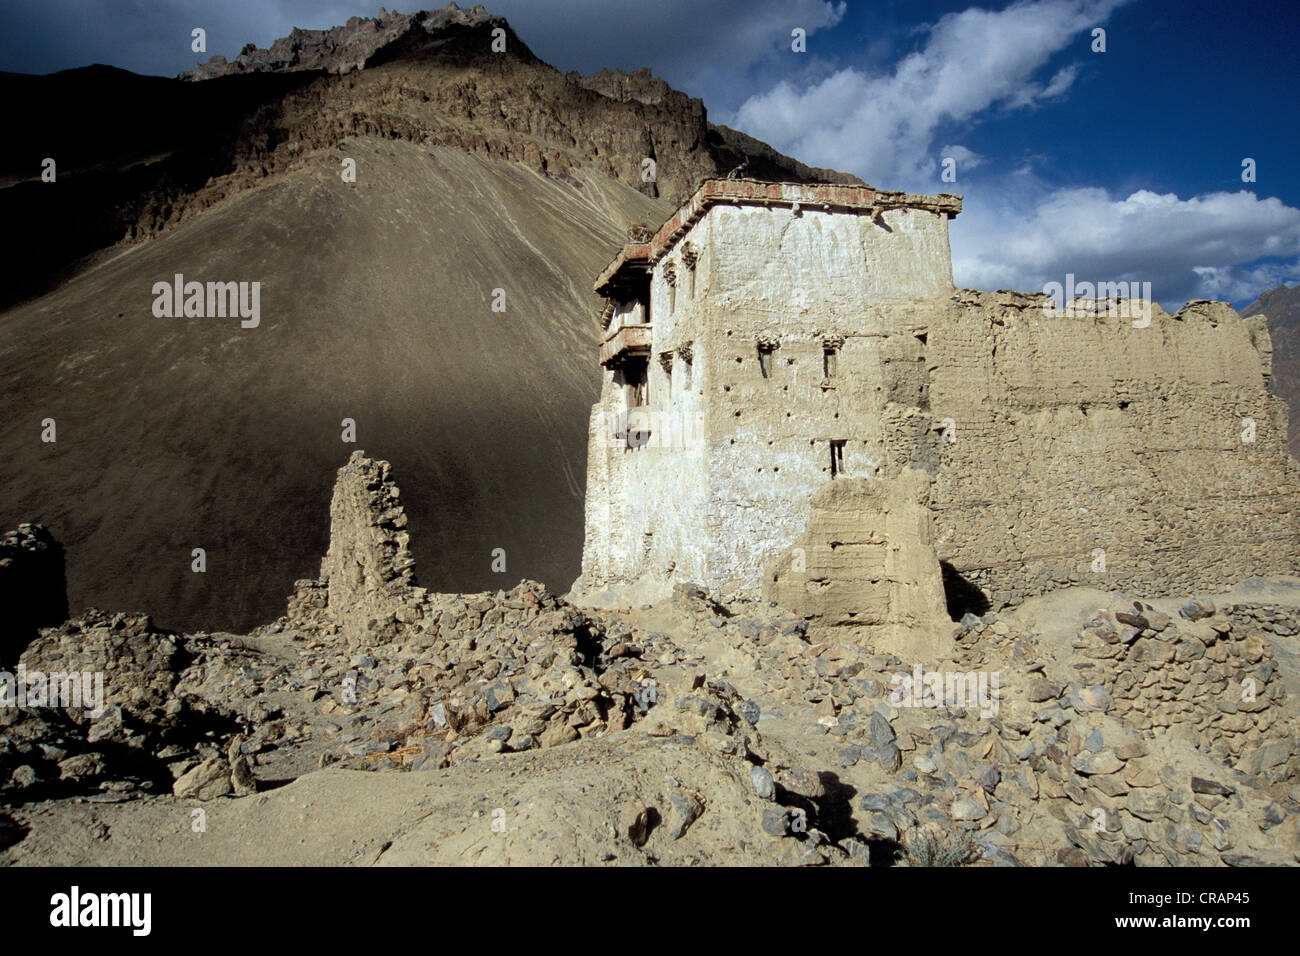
(866, 561)
(1081, 435)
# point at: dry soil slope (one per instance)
(375, 305)
(1282, 307)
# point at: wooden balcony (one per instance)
(628, 341)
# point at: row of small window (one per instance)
(830, 359)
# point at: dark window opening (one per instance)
(765, 360)
(837, 458)
(636, 382)
(829, 359)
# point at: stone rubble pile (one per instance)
(1197, 676)
(1074, 768)
(1274, 618)
(146, 733)
(1148, 738)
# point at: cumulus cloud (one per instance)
(965, 158)
(1016, 232)
(883, 126)
(1224, 245)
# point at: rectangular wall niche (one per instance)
(666, 363)
(837, 458)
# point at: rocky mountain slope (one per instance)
(475, 171)
(1282, 307)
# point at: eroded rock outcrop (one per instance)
(349, 47)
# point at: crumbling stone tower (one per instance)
(772, 337)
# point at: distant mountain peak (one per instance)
(364, 41)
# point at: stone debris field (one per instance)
(379, 722)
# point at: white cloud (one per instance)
(882, 127)
(1016, 232)
(966, 158)
(1031, 94)
(1205, 247)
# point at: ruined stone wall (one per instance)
(1211, 681)
(33, 587)
(368, 571)
(1082, 443)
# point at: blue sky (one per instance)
(1122, 165)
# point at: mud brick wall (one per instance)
(1088, 451)
(866, 564)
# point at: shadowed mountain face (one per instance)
(1282, 307)
(475, 172)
